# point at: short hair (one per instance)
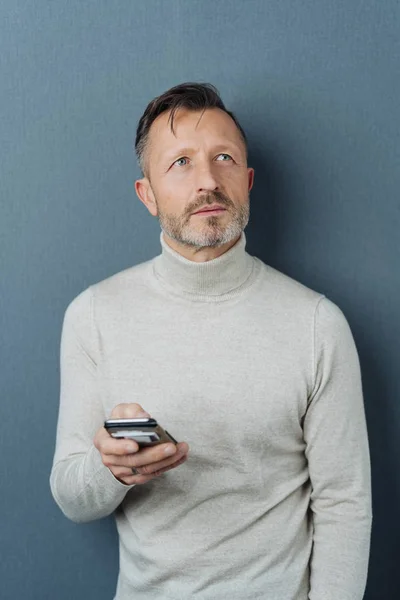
(190, 95)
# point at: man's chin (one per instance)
(210, 234)
(207, 239)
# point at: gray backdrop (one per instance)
(316, 86)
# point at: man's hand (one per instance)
(120, 455)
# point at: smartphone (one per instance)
(146, 432)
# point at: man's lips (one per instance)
(214, 209)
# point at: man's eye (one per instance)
(184, 158)
(177, 161)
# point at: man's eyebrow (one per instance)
(187, 150)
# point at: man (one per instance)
(258, 374)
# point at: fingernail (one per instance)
(169, 451)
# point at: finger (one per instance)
(106, 444)
(142, 457)
(117, 447)
(145, 456)
(162, 467)
(159, 452)
(131, 479)
(182, 447)
(150, 468)
(128, 411)
(151, 454)
(169, 467)
(138, 479)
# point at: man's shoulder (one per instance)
(112, 291)
(126, 280)
(284, 289)
(300, 304)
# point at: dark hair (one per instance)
(193, 96)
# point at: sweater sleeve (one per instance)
(82, 486)
(339, 465)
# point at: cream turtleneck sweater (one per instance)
(260, 375)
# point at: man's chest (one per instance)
(209, 378)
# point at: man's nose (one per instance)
(206, 180)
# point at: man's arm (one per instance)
(83, 487)
(338, 458)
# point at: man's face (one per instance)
(204, 163)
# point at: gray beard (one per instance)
(213, 234)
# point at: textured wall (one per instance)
(316, 86)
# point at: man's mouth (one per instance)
(210, 210)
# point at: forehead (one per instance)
(212, 126)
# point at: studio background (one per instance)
(315, 84)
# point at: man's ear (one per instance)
(145, 195)
(250, 173)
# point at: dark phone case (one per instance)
(151, 424)
(130, 424)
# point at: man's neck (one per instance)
(208, 281)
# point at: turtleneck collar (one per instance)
(222, 276)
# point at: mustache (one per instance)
(212, 198)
